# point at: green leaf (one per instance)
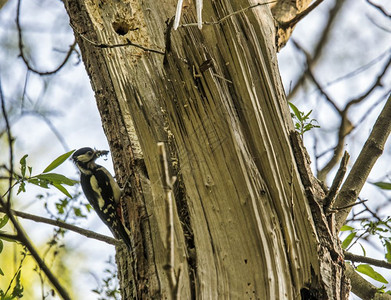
(58, 161)
(307, 115)
(23, 164)
(381, 289)
(348, 240)
(363, 249)
(388, 253)
(60, 209)
(1, 272)
(56, 178)
(89, 207)
(62, 189)
(369, 271)
(346, 228)
(3, 221)
(382, 185)
(18, 288)
(78, 213)
(22, 188)
(295, 111)
(42, 183)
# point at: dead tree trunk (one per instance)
(248, 218)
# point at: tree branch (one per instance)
(25, 60)
(301, 15)
(10, 141)
(371, 151)
(22, 237)
(8, 236)
(61, 224)
(363, 288)
(381, 9)
(367, 260)
(329, 200)
(20, 234)
(320, 45)
(128, 43)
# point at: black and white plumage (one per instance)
(101, 190)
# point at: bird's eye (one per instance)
(89, 152)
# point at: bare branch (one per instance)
(301, 15)
(22, 237)
(370, 109)
(350, 205)
(346, 126)
(367, 260)
(61, 224)
(309, 72)
(378, 7)
(359, 69)
(320, 45)
(22, 55)
(10, 142)
(371, 151)
(344, 129)
(13, 237)
(329, 200)
(20, 233)
(376, 84)
(105, 46)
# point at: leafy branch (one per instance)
(302, 120)
(45, 179)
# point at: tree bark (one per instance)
(248, 214)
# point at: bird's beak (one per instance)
(99, 153)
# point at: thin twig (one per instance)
(24, 254)
(22, 237)
(106, 46)
(13, 237)
(367, 260)
(309, 62)
(329, 200)
(349, 205)
(25, 60)
(301, 15)
(228, 16)
(61, 224)
(359, 70)
(320, 44)
(10, 141)
(345, 127)
(376, 84)
(378, 7)
(370, 109)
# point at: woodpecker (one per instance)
(101, 190)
